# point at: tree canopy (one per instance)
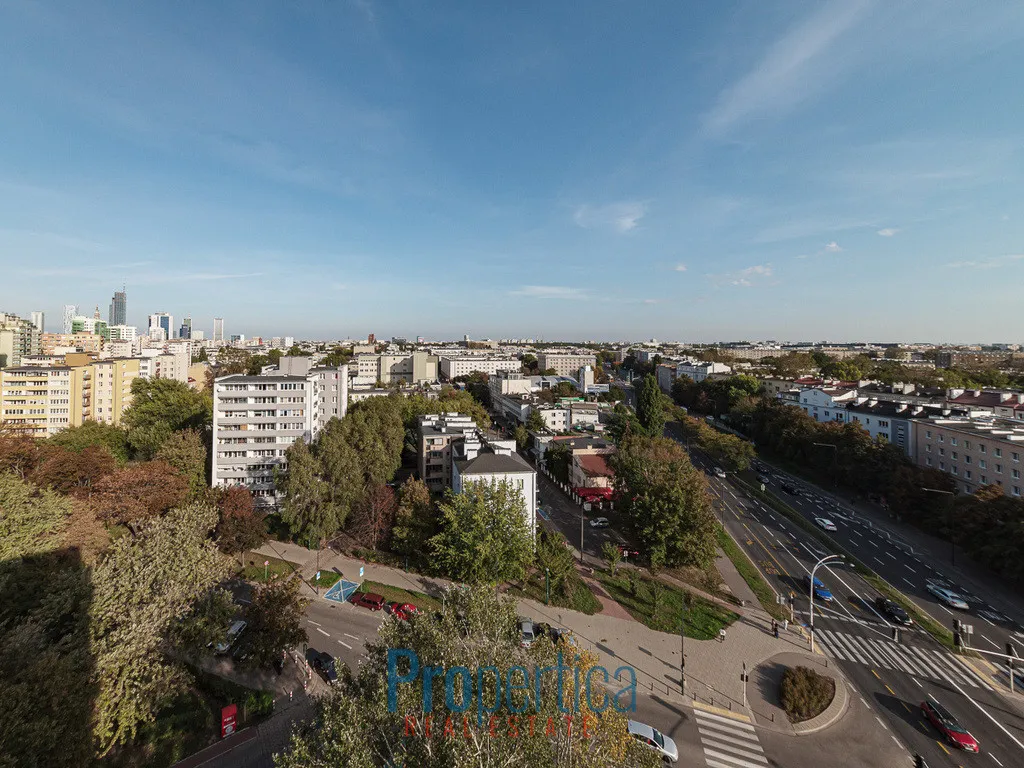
(159, 408)
(92, 433)
(650, 406)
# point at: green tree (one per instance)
(31, 517)
(159, 408)
(233, 360)
(558, 460)
(307, 508)
(297, 351)
(522, 437)
(143, 585)
(650, 406)
(666, 501)
(555, 558)
(415, 519)
(484, 536)
(274, 621)
(91, 433)
(612, 555)
(186, 452)
(138, 492)
(475, 629)
(201, 356)
(535, 422)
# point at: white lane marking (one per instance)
(322, 632)
(345, 644)
(987, 621)
(314, 623)
(917, 681)
(702, 715)
(878, 561)
(857, 534)
(990, 642)
(719, 731)
(348, 635)
(908, 581)
(864, 702)
(994, 758)
(873, 543)
(893, 737)
(890, 554)
(881, 723)
(946, 609)
(909, 568)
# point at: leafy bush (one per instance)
(805, 693)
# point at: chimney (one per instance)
(1004, 396)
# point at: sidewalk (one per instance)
(712, 668)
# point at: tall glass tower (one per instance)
(119, 309)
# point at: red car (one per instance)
(403, 611)
(943, 720)
(368, 600)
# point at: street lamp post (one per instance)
(952, 540)
(825, 559)
(547, 586)
(581, 536)
(682, 644)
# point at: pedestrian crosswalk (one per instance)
(728, 743)
(927, 663)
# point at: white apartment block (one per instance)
(698, 370)
(18, 338)
(565, 364)
(41, 401)
(974, 451)
(492, 463)
(257, 418)
(826, 403)
(453, 367)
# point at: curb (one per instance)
(832, 712)
(720, 712)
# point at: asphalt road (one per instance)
(893, 678)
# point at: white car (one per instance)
(234, 631)
(950, 598)
(529, 632)
(599, 522)
(719, 472)
(824, 522)
(654, 739)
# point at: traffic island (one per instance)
(814, 690)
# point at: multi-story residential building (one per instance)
(118, 314)
(119, 349)
(453, 367)
(123, 333)
(38, 319)
(438, 432)
(591, 472)
(974, 451)
(826, 403)
(567, 416)
(698, 370)
(412, 368)
(112, 387)
(18, 338)
(564, 364)
(257, 418)
(476, 461)
(666, 375)
(954, 357)
(86, 324)
(42, 401)
(1001, 403)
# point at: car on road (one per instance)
(948, 726)
(948, 597)
(234, 632)
(527, 631)
(824, 522)
(821, 592)
(893, 611)
(403, 611)
(600, 522)
(654, 739)
(763, 479)
(719, 472)
(627, 552)
(789, 488)
(326, 667)
(369, 600)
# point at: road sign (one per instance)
(361, 571)
(318, 575)
(266, 563)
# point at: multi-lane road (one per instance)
(891, 677)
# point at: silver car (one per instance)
(654, 739)
(950, 598)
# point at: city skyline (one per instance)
(842, 170)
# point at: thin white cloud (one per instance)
(617, 217)
(832, 247)
(794, 67)
(887, 232)
(744, 277)
(679, 267)
(651, 301)
(551, 292)
(993, 262)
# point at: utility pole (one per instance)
(581, 536)
(826, 558)
(682, 652)
(744, 677)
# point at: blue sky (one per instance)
(700, 171)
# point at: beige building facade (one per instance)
(975, 452)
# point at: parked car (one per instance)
(234, 632)
(789, 488)
(369, 600)
(654, 739)
(403, 611)
(947, 596)
(527, 631)
(719, 472)
(824, 522)
(821, 592)
(949, 726)
(599, 522)
(893, 611)
(325, 665)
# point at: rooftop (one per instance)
(489, 463)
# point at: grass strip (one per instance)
(574, 593)
(747, 569)
(661, 606)
(275, 569)
(327, 579)
(397, 594)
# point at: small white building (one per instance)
(492, 463)
(698, 370)
(826, 403)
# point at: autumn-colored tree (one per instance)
(374, 516)
(73, 472)
(274, 621)
(138, 492)
(19, 453)
(241, 526)
(89, 433)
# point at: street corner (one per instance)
(765, 694)
(727, 713)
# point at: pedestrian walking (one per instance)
(775, 628)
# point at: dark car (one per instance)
(949, 726)
(368, 600)
(763, 479)
(792, 490)
(893, 611)
(326, 667)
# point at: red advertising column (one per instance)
(228, 720)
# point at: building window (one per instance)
(967, 443)
(998, 452)
(967, 474)
(952, 440)
(928, 448)
(981, 463)
(928, 434)
(941, 439)
(942, 465)
(967, 459)
(981, 447)
(928, 462)
(1015, 456)
(999, 469)
(954, 455)
(1016, 490)
(942, 451)
(984, 480)
(1016, 474)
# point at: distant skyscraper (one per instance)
(162, 320)
(218, 329)
(118, 309)
(39, 321)
(185, 332)
(70, 310)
